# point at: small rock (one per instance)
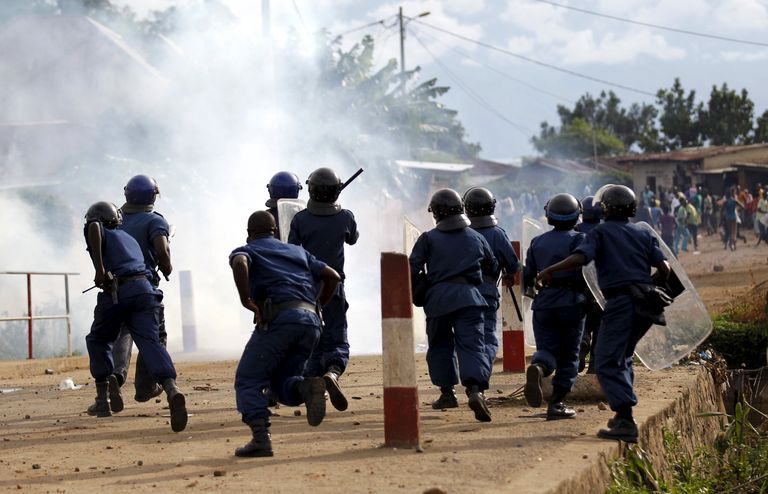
(297, 413)
(192, 484)
(357, 470)
(500, 391)
(602, 406)
(35, 466)
(77, 469)
(355, 423)
(109, 447)
(434, 490)
(140, 463)
(585, 456)
(580, 410)
(49, 371)
(357, 397)
(158, 400)
(27, 417)
(219, 473)
(718, 268)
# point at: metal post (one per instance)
(69, 317)
(402, 48)
(29, 313)
(188, 324)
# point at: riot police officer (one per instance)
(323, 229)
(480, 206)
(454, 258)
(624, 255)
(151, 230)
(558, 309)
(282, 185)
(127, 298)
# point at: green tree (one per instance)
(761, 128)
(577, 139)
(727, 118)
(679, 120)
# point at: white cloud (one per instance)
(744, 56)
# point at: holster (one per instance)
(650, 302)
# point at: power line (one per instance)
(538, 62)
(298, 12)
(655, 26)
(471, 93)
(370, 24)
(500, 72)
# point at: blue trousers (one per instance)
(558, 336)
(489, 322)
(272, 364)
(619, 333)
(141, 315)
(681, 232)
(121, 356)
(594, 315)
(457, 349)
(333, 347)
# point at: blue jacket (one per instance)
(505, 257)
(324, 236)
(145, 227)
(547, 249)
(122, 257)
(454, 263)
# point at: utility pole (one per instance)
(401, 21)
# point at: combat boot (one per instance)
(532, 391)
(558, 411)
(144, 396)
(478, 405)
(177, 404)
(331, 378)
(620, 429)
(261, 442)
(447, 399)
(312, 391)
(115, 398)
(100, 408)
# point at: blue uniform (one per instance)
(454, 305)
(508, 261)
(324, 237)
(144, 226)
(624, 254)
(558, 309)
(275, 357)
(593, 311)
(138, 308)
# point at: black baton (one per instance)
(357, 174)
(514, 299)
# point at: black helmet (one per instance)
(618, 200)
(448, 210)
(479, 201)
(563, 207)
(324, 185)
(590, 211)
(480, 205)
(106, 213)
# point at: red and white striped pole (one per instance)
(513, 338)
(401, 396)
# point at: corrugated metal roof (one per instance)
(434, 165)
(690, 154)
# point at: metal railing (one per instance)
(30, 317)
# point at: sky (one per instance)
(502, 111)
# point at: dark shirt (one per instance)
(668, 225)
(282, 272)
(623, 252)
(455, 261)
(144, 227)
(122, 257)
(547, 249)
(505, 257)
(586, 226)
(324, 236)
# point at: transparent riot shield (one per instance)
(531, 229)
(410, 234)
(688, 322)
(286, 210)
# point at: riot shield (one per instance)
(531, 229)
(410, 235)
(286, 210)
(688, 322)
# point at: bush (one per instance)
(741, 344)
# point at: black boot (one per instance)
(478, 405)
(447, 399)
(312, 390)
(532, 391)
(100, 408)
(331, 378)
(115, 398)
(261, 442)
(557, 410)
(620, 429)
(177, 404)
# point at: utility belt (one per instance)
(269, 311)
(125, 279)
(650, 300)
(574, 284)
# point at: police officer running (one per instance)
(277, 282)
(150, 229)
(480, 205)
(127, 298)
(624, 254)
(282, 185)
(323, 229)
(455, 258)
(558, 309)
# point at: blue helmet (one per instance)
(591, 212)
(284, 185)
(141, 189)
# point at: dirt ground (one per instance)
(48, 443)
